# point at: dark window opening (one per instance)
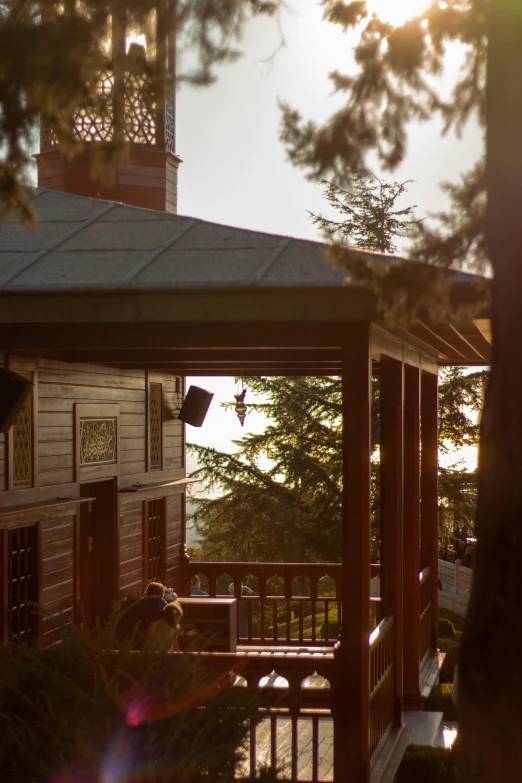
(22, 583)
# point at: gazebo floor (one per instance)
(304, 743)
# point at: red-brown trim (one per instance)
(391, 571)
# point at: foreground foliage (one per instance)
(81, 712)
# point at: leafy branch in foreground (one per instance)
(51, 57)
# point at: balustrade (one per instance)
(382, 662)
(293, 604)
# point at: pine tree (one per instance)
(460, 401)
(291, 512)
(370, 219)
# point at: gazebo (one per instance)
(99, 284)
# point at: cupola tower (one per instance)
(137, 92)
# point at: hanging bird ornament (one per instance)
(241, 408)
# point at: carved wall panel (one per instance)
(98, 441)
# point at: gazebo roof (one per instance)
(91, 262)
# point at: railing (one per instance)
(454, 577)
(426, 610)
(295, 736)
(293, 604)
(382, 663)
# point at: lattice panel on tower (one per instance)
(22, 583)
(140, 110)
(98, 441)
(140, 115)
(170, 128)
(155, 426)
(23, 444)
(156, 540)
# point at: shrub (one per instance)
(446, 629)
(451, 648)
(423, 764)
(83, 708)
(440, 700)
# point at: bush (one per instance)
(440, 700)
(83, 708)
(451, 648)
(423, 764)
(446, 629)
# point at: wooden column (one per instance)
(429, 489)
(411, 603)
(351, 703)
(391, 443)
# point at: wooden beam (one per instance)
(351, 725)
(480, 356)
(135, 335)
(391, 443)
(297, 354)
(411, 604)
(429, 490)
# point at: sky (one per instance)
(234, 168)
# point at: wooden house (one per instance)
(107, 307)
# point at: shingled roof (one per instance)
(94, 261)
(80, 243)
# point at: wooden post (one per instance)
(411, 604)
(429, 490)
(351, 701)
(391, 403)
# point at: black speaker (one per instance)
(195, 406)
(13, 392)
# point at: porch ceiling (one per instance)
(104, 283)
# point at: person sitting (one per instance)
(162, 633)
(144, 611)
(195, 586)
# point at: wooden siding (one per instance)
(132, 573)
(57, 580)
(60, 387)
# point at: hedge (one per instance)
(424, 764)
(446, 629)
(440, 700)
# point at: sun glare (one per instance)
(396, 12)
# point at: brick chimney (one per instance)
(149, 177)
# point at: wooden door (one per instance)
(97, 551)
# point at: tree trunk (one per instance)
(490, 729)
